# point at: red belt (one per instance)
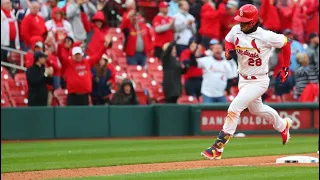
(249, 77)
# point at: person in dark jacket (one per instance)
(172, 71)
(38, 77)
(126, 94)
(101, 82)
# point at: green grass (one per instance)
(26, 156)
(225, 173)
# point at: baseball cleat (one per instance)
(211, 154)
(285, 133)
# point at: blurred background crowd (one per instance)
(98, 52)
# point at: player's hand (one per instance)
(227, 55)
(283, 74)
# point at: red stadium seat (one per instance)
(16, 89)
(187, 100)
(20, 101)
(153, 60)
(135, 69)
(154, 68)
(288, 98)
(158, 76)
(5, 75)
(20, 77)
(5, 100)
(60, 96)
(273, 98)
(142, 97)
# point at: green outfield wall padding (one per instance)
(27, 123)
(172, 120)
(139, 121)
(131, 121)
(82, 122)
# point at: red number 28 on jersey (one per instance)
(254, 62)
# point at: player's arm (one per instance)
(286, 54)
(282, 42)
(230, 50)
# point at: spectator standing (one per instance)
(38, 78)
(51, 4)
(269, 16)
(173, 7)
(313, 53)
(195, 9)
(43, 9)
(76, 16)
(102, 81)
(193, 75)
(9, 29)
(227, 21)
(37, 45)
(296, 47)
(163, 26)
(185, 27)
(302, 74)
(58, 25)
(78, 75)
(216, 72)
(172, 71)
(312, 24)
(89, 9)
(32, 25)
(125, 95)
(210, 16)
(53, 61)
(100, 30)
(138, 39)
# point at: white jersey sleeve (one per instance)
(230, 36)
(201, 62)
(273, 39)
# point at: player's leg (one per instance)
(272, 116)
(247, 94)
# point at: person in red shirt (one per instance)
(78, 74)
(100, 30)
(32, 25)
(9, 29)
(138, 42)
(227, 19)
(193, 75)
(210, 21)
(163, 26)
(37, 45)
(269, 15)
(53, 61)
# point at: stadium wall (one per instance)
(142, 121)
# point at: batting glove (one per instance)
(283, 74)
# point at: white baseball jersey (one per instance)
(254, 49)
(215, 76)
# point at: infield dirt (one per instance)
(140, 168)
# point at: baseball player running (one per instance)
(253, 47)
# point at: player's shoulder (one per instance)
(236, 28)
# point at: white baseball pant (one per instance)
(249, 96)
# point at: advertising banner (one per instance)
(213, 120)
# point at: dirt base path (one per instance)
(128, 169)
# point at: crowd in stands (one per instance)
(83, 52)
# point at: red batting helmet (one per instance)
(248, 13)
